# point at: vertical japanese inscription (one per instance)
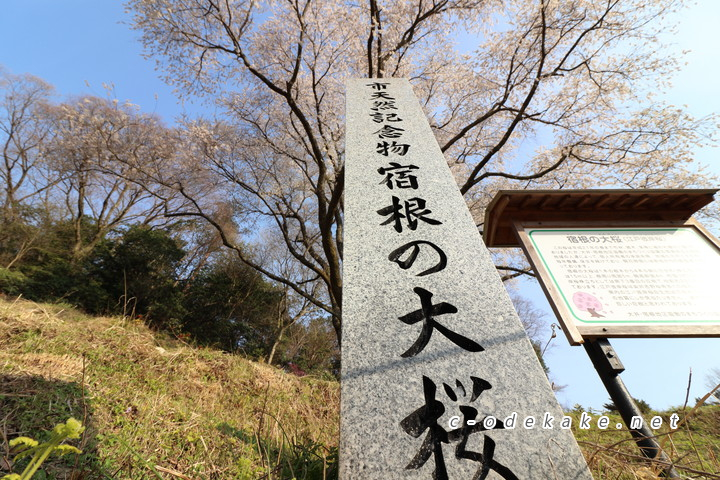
(407, 212)
(434, 357)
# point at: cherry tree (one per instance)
(25, 178)
(22, 133)
(92, 146)
(551, 94)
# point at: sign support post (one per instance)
(609, 367)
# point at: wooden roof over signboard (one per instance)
(602, 205)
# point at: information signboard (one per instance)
(628, 281)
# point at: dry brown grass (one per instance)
(693, 448)
(154, 406)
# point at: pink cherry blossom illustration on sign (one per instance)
(585, 301)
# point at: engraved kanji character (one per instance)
(414, 209)
(399, 175)
(388, 131)
(427, 314)
(398, 148)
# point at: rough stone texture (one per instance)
(380, 387)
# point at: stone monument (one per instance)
(439, 379)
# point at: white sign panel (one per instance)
(631, 276)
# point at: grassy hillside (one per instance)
(694, 446)
(154, 407)
(157, 408)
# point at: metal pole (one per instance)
(609, 367)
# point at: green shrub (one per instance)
(12, 282)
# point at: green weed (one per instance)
(39, 452)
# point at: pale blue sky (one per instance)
(79, 45)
